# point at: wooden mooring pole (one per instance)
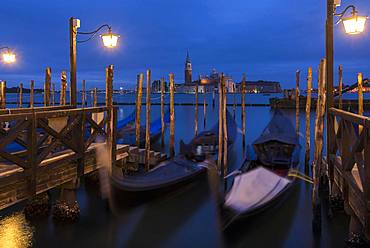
(2, 94)
(63, 89)
(20, 95)
(83, 97)
(162, 112)
(47, 86)
(308, 119)
(243, 111)
(360, 99)
(172, 116)
(213, 97)
(95, 97)
(147, 121)
(204, 108)
(224, 124)
(53, 94)
(319, 140)
(140, 79)
(32, 86)
(297, 101)
(196, 110)
(340, 75)
(220, 125)
(111, 118)
(234, 103)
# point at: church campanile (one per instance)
(188, 70)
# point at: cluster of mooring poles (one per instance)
(346, 145)
(139, 94)
(49, 91)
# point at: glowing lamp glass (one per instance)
(8, 57)
(110, 40)
(354, 24)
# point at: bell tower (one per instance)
(188, 70)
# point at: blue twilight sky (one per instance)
(266, 39)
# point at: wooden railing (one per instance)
(42, 134)
(349, 162)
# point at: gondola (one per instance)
(266, 179)
(126, 131)
(134, 189)
(205, 145)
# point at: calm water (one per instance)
(187, 218)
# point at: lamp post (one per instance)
(109, 39)
(354, 24)
(8, 56)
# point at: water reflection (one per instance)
(15, 231)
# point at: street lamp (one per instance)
(354, 24)
(109, 40)
(8, 56)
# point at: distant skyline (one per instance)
(266, 39)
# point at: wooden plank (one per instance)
(352, 117)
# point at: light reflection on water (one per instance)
(15, 231)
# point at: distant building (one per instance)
(189, 88)
(260, 87)
(188, 70)
(212, 81)
(156, 86)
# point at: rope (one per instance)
(299, 175)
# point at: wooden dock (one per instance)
(56, 145)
